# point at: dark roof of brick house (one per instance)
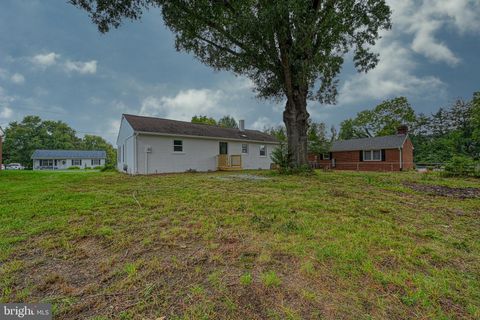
(183, 128)
(385, 142)
(69, 154)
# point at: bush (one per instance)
(98, 168)
(462, 166)
(281, 158)
(74, 168)
(108, 168)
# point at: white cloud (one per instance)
(17, 78)
(424, 20)
(89, 67)
(394, 75)
(53, 59)
(418, 22)
(46, 60)
(263, 122)
(186, 104)
(6, 113)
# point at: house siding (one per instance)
(350, 160)
(86, 163)
(126, 141)
(198, 154)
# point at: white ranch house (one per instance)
(64, 159)
(148, 145)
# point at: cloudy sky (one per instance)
(55, 64)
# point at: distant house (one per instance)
(64, 159)
(148, 145)
(387, 153)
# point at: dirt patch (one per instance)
(248, 177)
(461, 193)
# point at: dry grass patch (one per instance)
(337, 245)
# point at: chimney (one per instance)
(241, 125)
(403, 129)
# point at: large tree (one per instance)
(290, 49)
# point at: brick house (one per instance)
(387, 153)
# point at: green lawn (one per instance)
(336, 245)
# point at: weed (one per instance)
(246, 279)
(270, 279)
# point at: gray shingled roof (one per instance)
(69, 154)
(174, 127)
(386, 142)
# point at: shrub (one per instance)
(108, 168)
(462, 166)
(74, 168)
(98, 168)
(282, 158)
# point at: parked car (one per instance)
(15, 166)
(3, 167)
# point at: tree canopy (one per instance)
(228, 122)
(290, 49)
(204, 120)
(382, 120)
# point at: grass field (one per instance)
(336, 245)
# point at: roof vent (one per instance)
(241, 125)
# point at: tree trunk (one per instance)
(296, 117)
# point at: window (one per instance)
(46, 163)
(177, 146)
(119, 154)
(95, 162)
(244, 148)
(326, 156)
(76, 162)
(263, 150)
(372, 155)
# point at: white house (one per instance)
(148, 145)
(64, 159)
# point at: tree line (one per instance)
(23, 138)
(225, 121)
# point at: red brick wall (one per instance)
(407, 155)
(350, 160)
